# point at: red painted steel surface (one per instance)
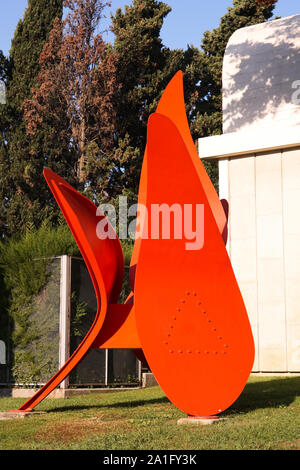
(172, 105)
(105, 262)
(190, 314)
(186, 313)
(119, 329)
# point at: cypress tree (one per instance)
(4, 72)
(23, 199)
(3, 76)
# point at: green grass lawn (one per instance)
(266, 416)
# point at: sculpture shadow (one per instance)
(121, 404)
(273, 393)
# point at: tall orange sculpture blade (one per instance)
(190, 314)
(172, 105)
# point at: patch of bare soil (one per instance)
(78, 429)
(290, 445)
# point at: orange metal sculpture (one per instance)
(185, 315)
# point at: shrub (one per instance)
(25, 264)
(30, 280)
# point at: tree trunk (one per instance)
(81, 161)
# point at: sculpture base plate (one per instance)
(15, 414)
(199, 420)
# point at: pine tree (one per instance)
(21, 189)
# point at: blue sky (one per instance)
(184, 25)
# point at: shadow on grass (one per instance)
(124, 404)
(275, 393)
(5, 393)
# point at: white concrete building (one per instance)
(259, 162)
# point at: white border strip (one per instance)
(65, 308)
(244, 143)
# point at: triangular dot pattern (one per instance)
(205, 324)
